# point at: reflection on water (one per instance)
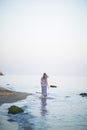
(43, 106)
(63, 109)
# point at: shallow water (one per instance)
(63, 109)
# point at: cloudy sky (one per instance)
(39, 36)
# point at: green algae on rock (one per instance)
(15, 109)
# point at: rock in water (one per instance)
(1, 74)
(83, 94)
(15, 109)
(53, 86)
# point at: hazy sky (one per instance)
(39, 36)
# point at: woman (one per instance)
(44, 85)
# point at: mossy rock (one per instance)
(83, 94)
(15, 109)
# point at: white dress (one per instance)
(44, 86)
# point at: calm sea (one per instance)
(64, 108)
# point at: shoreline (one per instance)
(8, 96)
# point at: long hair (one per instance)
(45, 76)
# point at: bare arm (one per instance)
(40, 81)
(47, 83)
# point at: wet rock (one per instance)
(15, 109)
(67, 96)
(7, 84)
(83, 94)
(1, 74)
(53, 86)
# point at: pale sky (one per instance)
(39, 36)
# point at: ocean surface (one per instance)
(63, 109)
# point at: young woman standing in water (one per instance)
(44, 85)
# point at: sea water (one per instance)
(63, 109)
